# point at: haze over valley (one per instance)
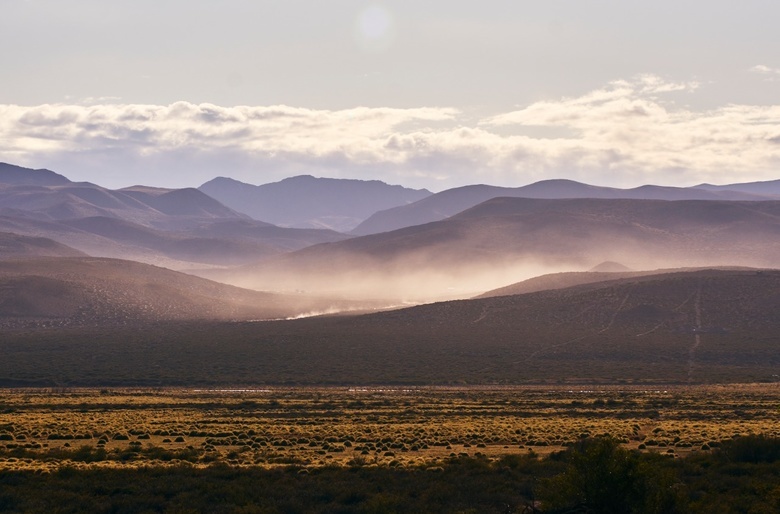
(557, 266)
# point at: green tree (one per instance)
(603, 477)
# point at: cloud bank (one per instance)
(628, 132)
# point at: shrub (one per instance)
(752, 449)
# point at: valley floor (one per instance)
(389, 449)
(374, 426)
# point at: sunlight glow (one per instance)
(374, 29)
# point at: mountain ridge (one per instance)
(305, 201)
(18, 175)
(174, 227)
(452, 201)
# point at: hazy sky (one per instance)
(429, 94)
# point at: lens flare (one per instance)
(374, 28)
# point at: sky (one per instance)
(433, 94)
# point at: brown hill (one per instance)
(563, 280)
(706, 326)
(93, 291)
(505, 239)
(579, 278)
(14, 246)
(610, 266)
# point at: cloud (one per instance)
(628, 127)
(765, 70)
(770, 74)
(625, 133)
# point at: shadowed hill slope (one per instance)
(580, 278)
(563, 280)
(14, 246)
(691, 327)
(91, 291)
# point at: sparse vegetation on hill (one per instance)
(692, 327)
(112, 293)
(14, 246)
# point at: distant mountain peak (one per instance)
(610, 267)
(299, 178)
(146, 189)
(305, 201)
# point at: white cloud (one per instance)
(765, 70)
(625, 133)
(769, 74)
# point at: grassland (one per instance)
(313, 427)
(370, 450)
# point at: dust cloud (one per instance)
(424, 277)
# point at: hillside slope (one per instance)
(14, 246)
(563, 280)
(61, 292)
(706, 326)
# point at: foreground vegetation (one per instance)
(608, 449)
(595, 475)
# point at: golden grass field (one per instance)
(46, 429)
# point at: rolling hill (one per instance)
(161, 209)
(768, 187)
(14, 246)
(60, 292)
(506, 239)
(563, 280)
(452, 201)
(705, 326)
(308, 202)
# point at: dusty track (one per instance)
(697, 335)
